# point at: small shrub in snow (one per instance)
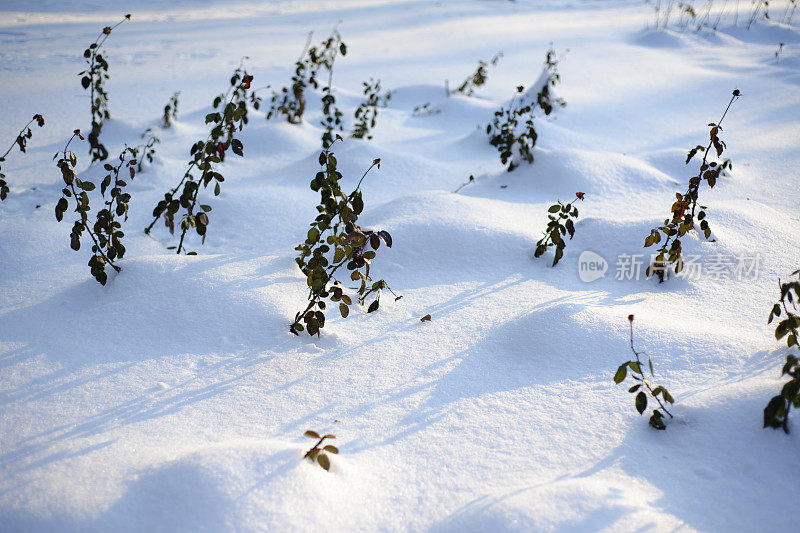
(561, 223)
(170, 111)
(478, 78)
(229, 117)
(317, 454)
(93, 79)
(290, 101)
(545, 98)
(106, 232)
(776, 413)
(332, 115)
(424, 110)
(22, 142)
(366, 114)
(512, 129)
(335, 240)
(147, 149)
(685, 208)
(642, 387)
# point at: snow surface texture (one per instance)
(175, 399)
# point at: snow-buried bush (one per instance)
(776, 413)
(336, 240)
(512, 129)
(206, 156)
(685, 210)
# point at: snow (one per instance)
(175, 399)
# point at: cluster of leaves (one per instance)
(106, 231)
(170, 110)
(335, 240)
(22, 142)
(545, 98)
(147, 149)
(506, 137)
(561, 223)
(478, 78)
(317, 454)
(512, 128)
(776, 413)
(93, 79)
(229, 117)
(366, 114)
(685, 208)
(331, 114)
(642, 387)
(291, 101)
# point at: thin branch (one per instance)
(643, 380)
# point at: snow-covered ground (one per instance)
(175, 399)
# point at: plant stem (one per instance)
(189, 213)
(306, 47)
(785, 309)
(101, 39)
(646, 384)
(364, 176)
(315, 446)
(110, 202)
(705, 154)
(693, 188)
(83, 216)
(469, 181)
(193, 162)
(15, 141)
(91, 234)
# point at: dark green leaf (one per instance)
(641, 402)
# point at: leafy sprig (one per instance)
(106, 232)
(170, 111)
(291, 101)
(366, 113)
(545, 98)
(776, 413)
(317, 453)
(146, 149)
(478, 78)
(93, 79)
(512, 129)
(21, 142)
(335, 240)
(230, 117)
(642, 387)
(561, 222)
(684, 211)
(331, 114)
